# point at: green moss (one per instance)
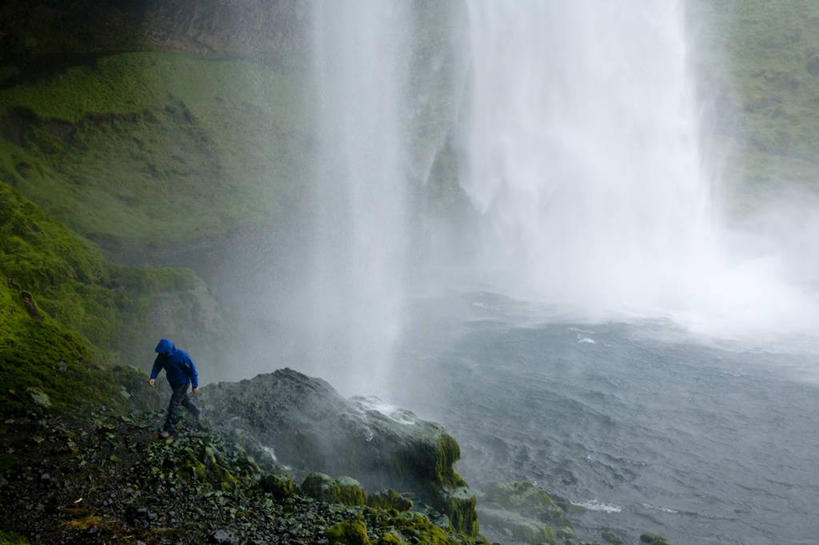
(519, 527)
(348, 533)
(610, 536)
(416, 528)
(526, 499)
(68, 279)
(343, 490)
(429, 469)
(389, 499)
(279, 486)
(137, 148)
(653, 539)
(390, 539)
(65, 311)
(460, 508)
(46, 356)
(761, 57)
(448, 452)
(8, 538)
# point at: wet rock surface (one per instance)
(308, 426)
(107, 478)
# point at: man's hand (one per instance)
(195, 390)
(152, 382)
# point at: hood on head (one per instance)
(164, 345)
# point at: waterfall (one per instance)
(360, 213)
(584, 160)
(583, 151)
(579, 148)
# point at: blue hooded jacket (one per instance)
(179, 367)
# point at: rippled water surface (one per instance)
(648, 429)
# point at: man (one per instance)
(180, 371)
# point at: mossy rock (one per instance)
(390, 539)
(280, 486)
(526, 499)
(348, 533)
(416, 528)
(343, 490)
(566, 533)
(610, 536)
(516, 526)
(39, 397)
(459, 506)
(653, 539)
(316, 429)
(389, 499)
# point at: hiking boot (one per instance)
(165, 434)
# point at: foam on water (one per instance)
(595, 505)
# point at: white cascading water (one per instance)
(361, 234)
(584, 159)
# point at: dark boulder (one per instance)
(303, 423)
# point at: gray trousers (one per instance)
(179, 397)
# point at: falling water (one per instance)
(360, 199)
(584, 159)
(583, 149)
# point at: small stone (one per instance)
(39, 397)
(222, 537)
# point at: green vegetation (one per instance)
(653, 539)
(280, 486)
(348, 533)
(58, 295)
(762, 57)
(389, 499)
(142, 151)
(119, 485)
(344, 490)
(526, 512)
(7, 538)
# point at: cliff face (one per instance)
(759, 80)
(45, 31)
(277, 27)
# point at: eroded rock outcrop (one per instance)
(308, 426)
(523, 513)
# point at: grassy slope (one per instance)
(764, 56)
(140, 150)
(75, 298)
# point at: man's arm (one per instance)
(155, 371)
(193, 374)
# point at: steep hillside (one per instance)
(140, 151)
(67, 311)
(760, 60)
